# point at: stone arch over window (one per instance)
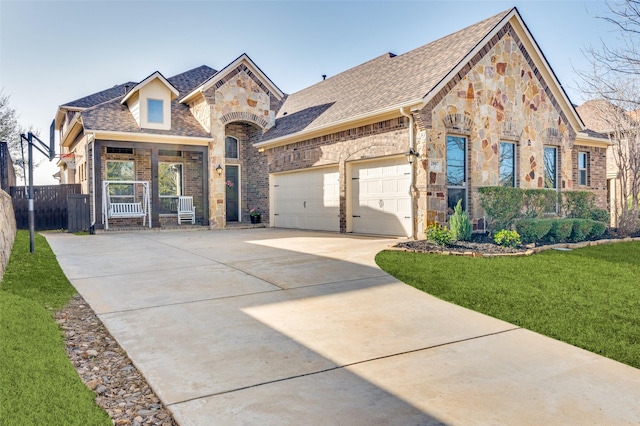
(511, 131)
(552, 136)
(458, 123)
(245, 116)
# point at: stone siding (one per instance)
(499, 96)
(7, 230)
(240, 97)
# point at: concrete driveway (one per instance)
(271, 327)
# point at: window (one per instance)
(120, 171)
(169, 179)
(456, 172)
(507, 164)
(231, 147)
(115, 150)
(582, 168)
(154, 110)
(550, 167)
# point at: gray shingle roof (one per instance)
(112, 116)
(380, 83)
(104, 96)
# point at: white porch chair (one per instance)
(186, 211)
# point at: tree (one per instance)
(10, 131)
(613, 81)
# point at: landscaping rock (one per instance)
(105, 368)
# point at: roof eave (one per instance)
(583, 139)
(159, 76)
(223, 72)
(150, 137)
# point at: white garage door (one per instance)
(381, 203)
(307, 200)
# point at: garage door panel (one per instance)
(381, 203)
(307, 200)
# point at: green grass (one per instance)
(589, 297)
(38, 384)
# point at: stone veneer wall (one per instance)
(239, 97)
(7, 230)
(498, 96)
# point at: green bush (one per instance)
(507, 238)
(460, 224)
(439, 235)
(600, 215)
(533, 230)
(538, 202)
(560, 230)
(578, 204)
(597, 229)
(581, 228)
(503, 205)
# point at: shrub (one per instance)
(581, 228)
(600, 215)
(538, 202)
(507, 238)
(439, 235)
(460, 224)
(560, 230)
(578, 204)
(597, 229)
(533, 230)
(502, 205)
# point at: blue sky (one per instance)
(53, 52)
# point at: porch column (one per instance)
(217, 203)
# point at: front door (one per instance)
(232, 184)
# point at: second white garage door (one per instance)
(381, 203)
(308, 199)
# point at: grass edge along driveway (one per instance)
(589, 297)
(38, 384)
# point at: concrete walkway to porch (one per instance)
(271, 327)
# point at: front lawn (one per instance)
(588, 297)
(38, 384)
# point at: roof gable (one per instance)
(155, 76)
(383, 84)
(244, 63)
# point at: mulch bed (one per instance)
(483, 244)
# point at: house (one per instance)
(622, 127)
(386, 147)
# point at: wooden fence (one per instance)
(50, 206)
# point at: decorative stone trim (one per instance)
(458, 123)
(552, 136)
(510, 131)
(244, 116)
(238, 70)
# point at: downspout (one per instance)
(91, 137)
(412, 146)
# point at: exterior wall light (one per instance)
(219, 170)
(411, 155)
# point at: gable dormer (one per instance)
(150, 102)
